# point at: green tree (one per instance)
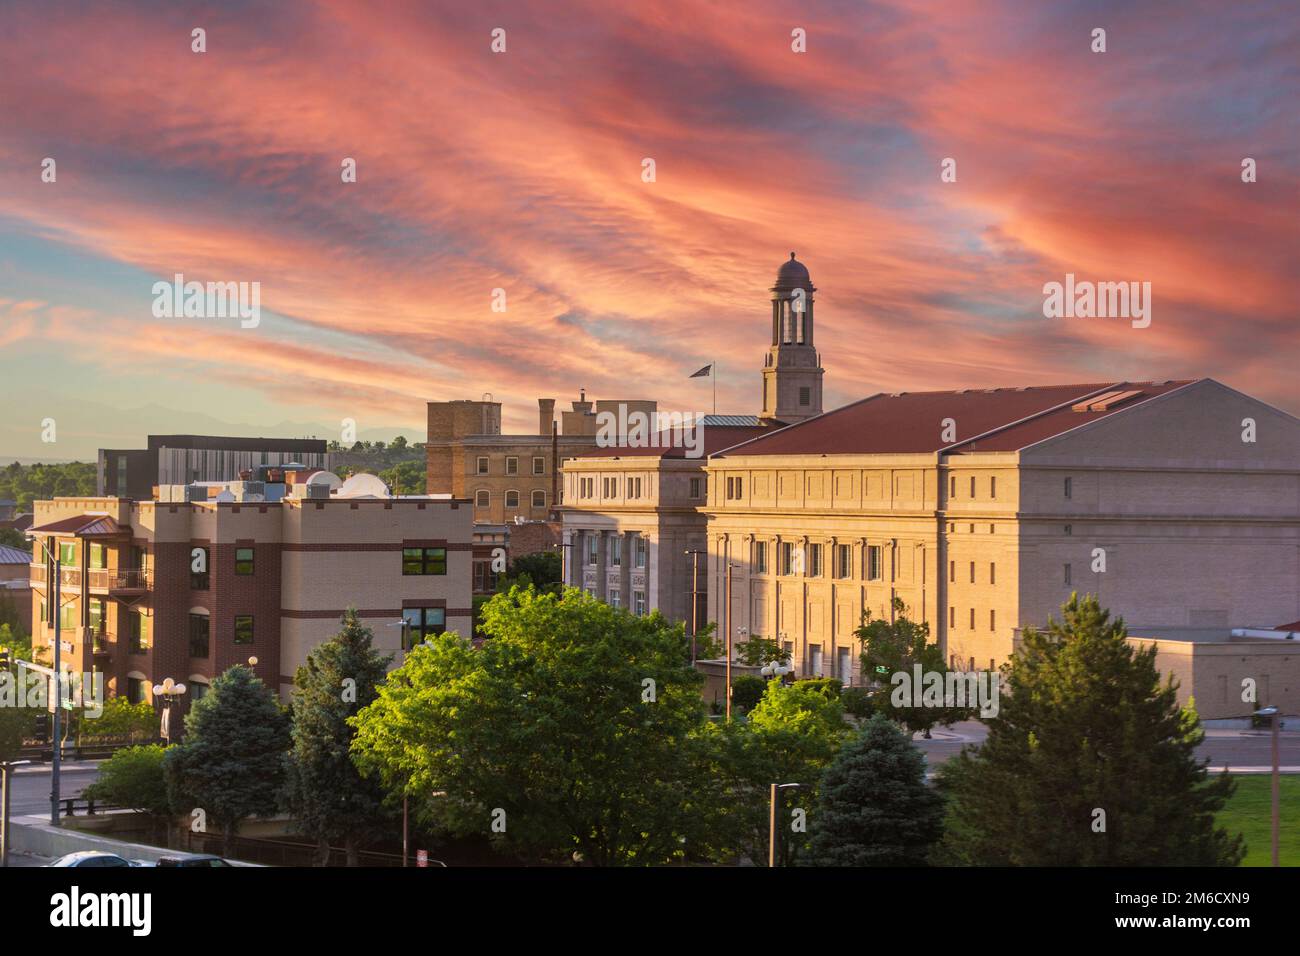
(133, 778)
(789, 737)
(328, 798)
(569, 730)
(895, 648)
(758, 651)
(1089, 761)
(544, 570)
(231, 763)
(13, 538)
(121, 718)
(28, 483)
(875, 808)
(405, 478)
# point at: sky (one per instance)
(523, 171)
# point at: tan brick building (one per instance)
(1177, 502)
(186, 589)
(509, 477)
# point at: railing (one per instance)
(130, 579)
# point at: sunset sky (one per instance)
(522, 171)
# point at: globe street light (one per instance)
(1273, 713)
(169, 691)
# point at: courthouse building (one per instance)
(1178, 503)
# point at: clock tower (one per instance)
(792, 372)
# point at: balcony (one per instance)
(128, 580)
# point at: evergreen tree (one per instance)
(1089, 762)
(875, 808)
(231, 763)
(328, 799)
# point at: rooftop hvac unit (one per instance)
(318, 491)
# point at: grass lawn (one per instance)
(1250, 814)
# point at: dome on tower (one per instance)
(793, 274)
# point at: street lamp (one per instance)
(775, 812)
(1273, 713)
(405, 625)
(776, 669)
(56, 744)
(5, 768)
(170, 692)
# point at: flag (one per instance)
(707, 370)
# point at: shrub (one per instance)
(828, 687)
(746, 691)
(857, 702)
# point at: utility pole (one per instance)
(56, 744)
(773, 814)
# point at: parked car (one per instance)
(94, 858)
(191, 859)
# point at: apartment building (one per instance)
(187, 588)
(182, 459)
(634, 523)
(1178, 503)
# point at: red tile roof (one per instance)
(997, 419)
(83, 526)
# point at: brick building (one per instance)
(187, 588)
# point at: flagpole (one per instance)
(714, 376)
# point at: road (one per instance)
(31, 785)
(1238, 750)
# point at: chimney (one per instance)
(545, 415)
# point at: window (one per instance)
(972, 486)
(638, 603)
(69, 616)
(642, 548)
(539, 499)
(952, 617)
(97, 556)
(586, 487)
(952, 572)
(735, 489)
(97, 616)
(993, 573)
(760, 557)
(135, 690)
(199, 635)
(424, 561)
(972, 572)
(1069, 487)
(422, 623)
(874, 562)
(993, 487)
(615, 598)
(616, 550)
(482, 498)
(482, 464)
(512, 465)
(539, 465)
(243, 629)
(843, 561)
(485, 579)
(805, 395)
(952, 487)
(972, 627)
(512, 499)
(814, 560)
(1067, 574)
(815, 660)
(198, 569)
(634, 487)
(67, 554)
(696, 488)
(787, 557)
(993, 621)
(1069, 530)
(244, 561)
(592, 545)
(198, 690)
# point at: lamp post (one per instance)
(5, 768)
(170, 692)
(695, 596)
(772, 840)
(565, 560)
(1273, 713)
(405, 625)
(56, 744)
